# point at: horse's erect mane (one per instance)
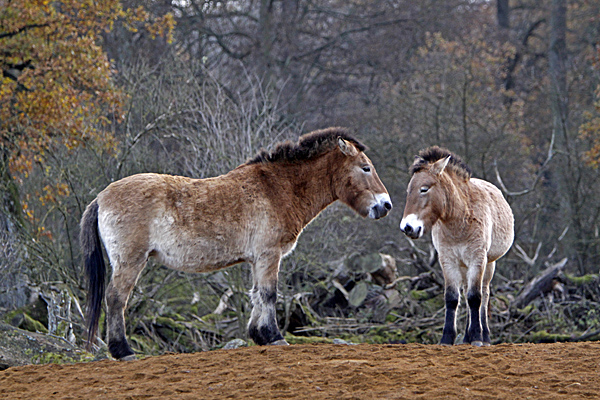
(309, 146)
(434, 153)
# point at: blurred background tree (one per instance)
(94, 92)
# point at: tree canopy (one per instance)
(56, 85)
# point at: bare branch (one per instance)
(538, 175)
(525, 257)
(21, 30)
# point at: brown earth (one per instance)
(323, 371)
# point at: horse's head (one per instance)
(358, 184)
(424, 198)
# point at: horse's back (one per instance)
(501, 216)
(188, 224)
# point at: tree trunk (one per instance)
(558, 74)
(503, 14)
(569, 171)
(13, 282)
(265, 34)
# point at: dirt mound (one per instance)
(325, 371)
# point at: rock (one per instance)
(19, 347)
(235, 344)
(342, 341)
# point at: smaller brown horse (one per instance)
(471, 225)
(254, 213)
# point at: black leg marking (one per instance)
(268, 296)
(474, 301)
(449, 333)
(119, 349)
(267, 332)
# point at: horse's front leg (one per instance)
(474, 333)
(262, 327)
(452, 283)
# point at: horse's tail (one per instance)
(94, 268)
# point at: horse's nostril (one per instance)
(388, 205)
(407, 229)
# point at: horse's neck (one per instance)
(307, 187)
(457, 210)
(316, 192)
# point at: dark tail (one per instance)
(94, 268)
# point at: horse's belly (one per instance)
(193, 260)
(197, 254)
(502, 240)
(498, 249)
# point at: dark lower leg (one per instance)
(263, 323)
(449, 333)
(475, 330)
(117, 342)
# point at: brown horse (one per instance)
(254, 214)
(471, 225)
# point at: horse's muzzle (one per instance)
(381, 208)
(412, 233)
(412, 226)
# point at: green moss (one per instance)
(144, 344)
(420, 294)
(544, 337)
(385, 335)
(390, 318)
(31, 325)
(212, 318)
(434, 303)
(48, 357)
(582, 280)
(526, 310)
(170, 329)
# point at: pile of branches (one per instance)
(363, 300)
(553, 306)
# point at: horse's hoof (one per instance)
(477, 343)
(486, 344)
(280, 342)
(446, 344)
(130, 357)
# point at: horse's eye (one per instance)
(366, 168)
(424, 189)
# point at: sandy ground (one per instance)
(506, 371)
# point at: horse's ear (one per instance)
(439, 166)
(347, 148)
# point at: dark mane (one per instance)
(432, 154)
(308, 146)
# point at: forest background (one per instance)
(95, 91)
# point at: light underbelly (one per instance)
(198, 255)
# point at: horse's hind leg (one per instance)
(262, 326)
(117, 294)
(467, 337)
(485, 301)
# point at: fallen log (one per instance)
(542, 283)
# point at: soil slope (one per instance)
(506, 371)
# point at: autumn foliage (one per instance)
(56, 88)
